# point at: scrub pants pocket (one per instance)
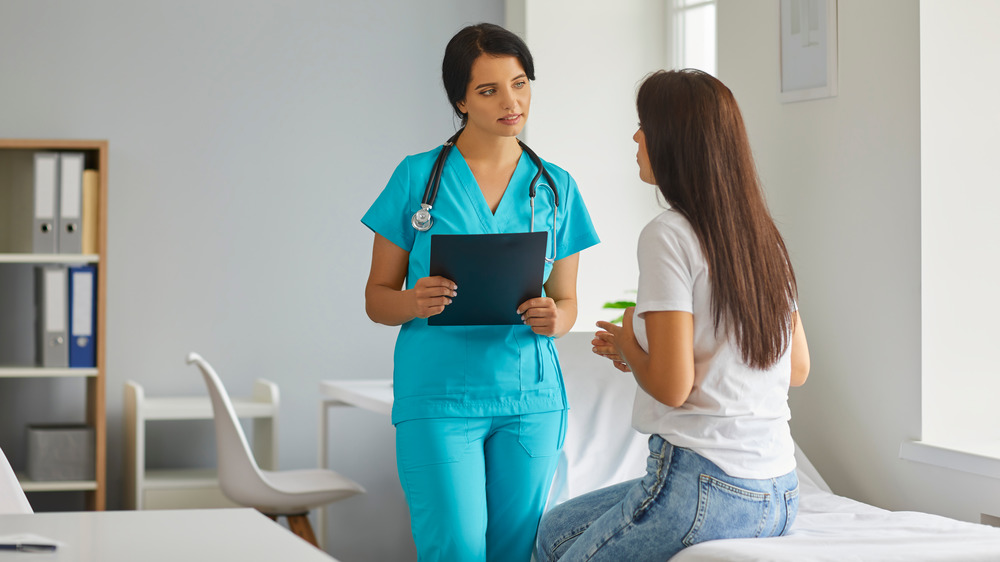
(425, 442)
(542, 435)
(442, 479)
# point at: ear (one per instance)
(461, 106)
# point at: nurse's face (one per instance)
(497, 97)
(642, 157)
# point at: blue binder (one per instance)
(82, 316)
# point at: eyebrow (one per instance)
(518, 77)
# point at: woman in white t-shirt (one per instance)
(714, 342)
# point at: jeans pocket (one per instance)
(727, 511)
(791, 509)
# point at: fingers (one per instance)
(627, 319)
(604, 345)
(609, 352)
(608, 327)
(433, 294)
(610, 355)
(540, 302)
(427, 307)
(435, 281)
(541, 314)
(603, 337)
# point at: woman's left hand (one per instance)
(541, 314)
(607, 341)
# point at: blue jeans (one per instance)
(684, 499)
(476, 487)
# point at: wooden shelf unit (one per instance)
(96, 157)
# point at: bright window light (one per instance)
(692, 39)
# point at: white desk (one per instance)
(191, 535)
(374, 395)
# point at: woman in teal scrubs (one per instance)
(480, 411)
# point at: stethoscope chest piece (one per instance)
(422, 219)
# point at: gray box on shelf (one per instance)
(60, 452)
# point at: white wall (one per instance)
(247, 138)
(843, 181)
(590, 56)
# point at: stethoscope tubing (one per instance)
(422, 219)
(434, 183)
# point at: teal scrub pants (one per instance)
(476, 487)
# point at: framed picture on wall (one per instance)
(808, 50)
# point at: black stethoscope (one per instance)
(423, 221)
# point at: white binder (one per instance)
(46, 203)
(70, 203)
(51, 316)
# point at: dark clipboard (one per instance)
(495, 273)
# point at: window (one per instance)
(691, 39)
(960, 304)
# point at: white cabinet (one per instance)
(199, 487)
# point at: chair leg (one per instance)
(299, 524)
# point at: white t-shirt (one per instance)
(736, 416)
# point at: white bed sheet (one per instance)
(834, 528)
(602, 448)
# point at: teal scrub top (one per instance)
(475, 371)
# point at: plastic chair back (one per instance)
(239, 474)
(12, 498)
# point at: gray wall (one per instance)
(247, 138)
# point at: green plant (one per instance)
(622, 305)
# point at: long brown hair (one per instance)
(701, 159)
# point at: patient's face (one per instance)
(642, 157)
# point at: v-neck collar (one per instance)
(492, 222)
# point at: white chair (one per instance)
(291, 493)
(12, 498)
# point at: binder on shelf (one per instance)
(88, 222)
(51, 316)
(45, 240)
(70, 203)
(17, 168)
(82, 316)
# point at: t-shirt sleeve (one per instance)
(575, 229)
(666, 280)
(390, 214)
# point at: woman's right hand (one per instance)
(604, 345)
(432, 294)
